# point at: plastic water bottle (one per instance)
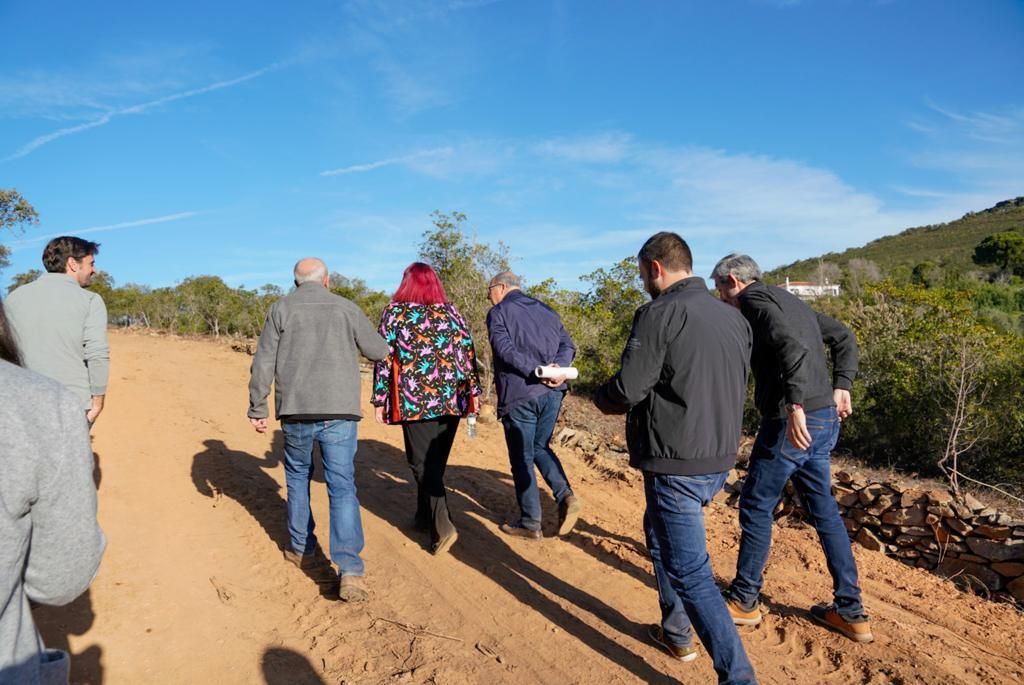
(471, 425)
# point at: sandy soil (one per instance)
(194, 589)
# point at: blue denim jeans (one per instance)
(674, 521)
(337, 440)
(773, 461)
(528, 429)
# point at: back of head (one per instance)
(670, 250)
(420, 285)
(309, 270)
(742, 266)
(58, 250)
(506, 278)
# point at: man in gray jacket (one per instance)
(60, 327)
(309, 349)
(50, 542)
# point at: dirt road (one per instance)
(194, 589)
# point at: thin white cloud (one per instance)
(605, 148)
(409, 160)
(981, 152)
(21, 244)
(37, 143)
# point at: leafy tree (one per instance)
(372, 302)
(926, 273)
(207, 304)
(1005, 250)
(15, 213)
(23, 278)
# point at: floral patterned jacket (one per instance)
(431, 370)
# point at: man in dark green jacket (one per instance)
(801, 405)
(683, 382)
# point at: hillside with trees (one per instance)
(948, 248)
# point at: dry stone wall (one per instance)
(978, 547)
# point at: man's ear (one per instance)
(656, 270)
(71, 266)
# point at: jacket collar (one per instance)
(752, 289)
(57, 277)
(691, 282)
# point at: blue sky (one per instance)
(235, 139)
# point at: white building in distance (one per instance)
(808, 290)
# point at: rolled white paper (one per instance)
(570, 372)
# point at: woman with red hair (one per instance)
(426, 384)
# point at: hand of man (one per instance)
(259, 424)
(796, 429)
(378, 414)
(95, 409)
(844, 407)
(553, 382)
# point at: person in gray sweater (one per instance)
(309, 348)
(61, 327)
(51, 541)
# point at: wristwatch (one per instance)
(790, 408)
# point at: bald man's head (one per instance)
(311, 270)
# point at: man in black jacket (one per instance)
(801, 405)
(683, 382)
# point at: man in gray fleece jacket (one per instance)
(309, 348)
(50, 542)
(60, 326)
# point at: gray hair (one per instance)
(506, 278)
(309, 270)
(742, 266)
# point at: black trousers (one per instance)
(427, 446)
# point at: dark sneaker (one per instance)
(444, 544)
(740, 616)
(307, 562)
(520, 532)
(858, 631)
(568, 513)
(687, 653)
(352, 589)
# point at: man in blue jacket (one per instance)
(526, 333)
(683, 382)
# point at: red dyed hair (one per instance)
(421, 285)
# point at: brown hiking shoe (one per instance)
(307, 562)
(858, 631)
(352, 589)
(520, 532)
(688, 653)
(741, 617)
(568, 513)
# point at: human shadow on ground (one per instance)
(387, 491)
(57, 624)
(219, 472)
(586, 536)
(285, 667)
